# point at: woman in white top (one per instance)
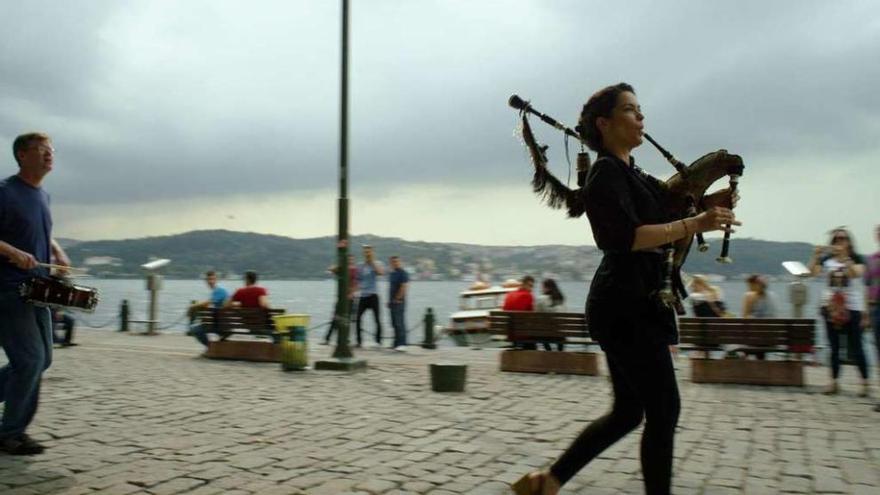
(842, 301)
(550, 300)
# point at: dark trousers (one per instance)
(364, 303)
(26, 336)
(334, 324)
(853, 331)
(875, 322)
(66, 324)
(644, 386)
(398, 322)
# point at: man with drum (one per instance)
(25, 329)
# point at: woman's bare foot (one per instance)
(551, 484)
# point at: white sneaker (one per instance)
(400, 348)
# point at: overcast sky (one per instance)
(170, 116)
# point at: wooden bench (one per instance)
(527, 327)
(231, 322)
(787, 336)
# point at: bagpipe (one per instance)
(685, 194)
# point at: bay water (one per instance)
(316, 298)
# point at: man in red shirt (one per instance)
(251, 295)
(521, 299)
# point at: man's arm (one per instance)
(59, 254)
(401, 292)
(232, 302)
(200, 305)
(263, 301)
(17, 257)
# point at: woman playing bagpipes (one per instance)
(628, 214)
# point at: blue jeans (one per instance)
(26, 336)
(852, 330)
(398, 322)
(200, 332)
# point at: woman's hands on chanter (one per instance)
(716, 218)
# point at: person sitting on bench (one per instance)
(251, 295)
(521, 300)
(551, 300)
(217, 300)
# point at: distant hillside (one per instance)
(749, 256)
(278, 257)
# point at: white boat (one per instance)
(469, 326)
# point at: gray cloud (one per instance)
(173, 99)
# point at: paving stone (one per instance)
(376, 486)
(136, 415)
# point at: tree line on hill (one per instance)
(277, 257)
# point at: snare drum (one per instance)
(56, 292)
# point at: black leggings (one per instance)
(853, 331)
(365, 303)
(644, 386)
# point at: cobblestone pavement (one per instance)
(127, 414)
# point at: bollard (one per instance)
(428, 343)
(124, 313)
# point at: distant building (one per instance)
(102, 261)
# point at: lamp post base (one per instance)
(341, 364)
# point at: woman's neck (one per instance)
(621, 152)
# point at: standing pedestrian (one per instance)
(25, 329)
(398, 285)
(872, 299)
(842, 302)
(368, 273)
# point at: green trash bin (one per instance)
(448, 377)
(294, 342)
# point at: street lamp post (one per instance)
(343, 359)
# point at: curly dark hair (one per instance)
(599, 105)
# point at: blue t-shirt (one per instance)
(395, 279)
(26, 224)
(219, 296)
(367, 279)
